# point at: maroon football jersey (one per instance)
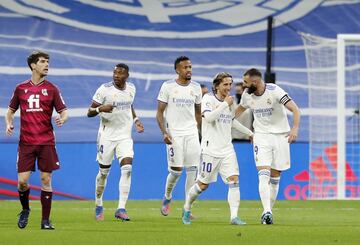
(36, 104)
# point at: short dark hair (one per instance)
(179, 59)
(219, 77)
(35, 56)
(239, 84)
(253, 72)
(203, 85)
(122, 65)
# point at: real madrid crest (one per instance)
(44, 92)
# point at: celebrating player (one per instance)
(180, 99)
(36, 98)
(218, 154)
(272, 134)
(113, 101)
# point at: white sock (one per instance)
(100, 184)
(124, 185)
(191, 173)
(171, 181)
(194, 192)
(264, 189)
(234, 199)
(274, 189)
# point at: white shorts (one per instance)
(107, 150)
(272, 150)
(211, 166)
(184, 151)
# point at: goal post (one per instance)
(334, 91)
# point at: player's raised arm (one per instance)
(239, 110)
(291, 106)
(96, 108)
(9, 119)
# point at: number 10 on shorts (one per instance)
(206, 167)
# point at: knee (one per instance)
(22, 185)
(45, 180)
(203, 186)
(104, 172)
(176, 169)
(46, 183)
(233, 179)
(275, 173)
(125, 161)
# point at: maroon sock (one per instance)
(24, 199)
(46, 198)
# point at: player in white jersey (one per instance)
(180, 100)
(217, 150)
(273, 135)
(113, 101)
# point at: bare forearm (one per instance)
(198, 116)
(296, 118)
(64, 116)
(9, 118)
(161, 122)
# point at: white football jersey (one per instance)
(180, 109)
(268, 109)
(216, 135)
(116, 125)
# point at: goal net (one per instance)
(334, 125)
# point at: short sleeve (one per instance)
(244, 100)
(281, 95)
(59, 102)
(14, 102)
(206, 105)
(99, 95)
(163, 94)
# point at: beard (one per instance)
(251, 89)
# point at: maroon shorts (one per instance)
(45, 155)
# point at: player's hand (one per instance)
(139, 126)
(106, 108)
(9, 129)
(229, 100)
(167, 139)
(292, 135)
(59, 121)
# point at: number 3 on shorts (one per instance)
(171, 152)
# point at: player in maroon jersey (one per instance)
(36, 99)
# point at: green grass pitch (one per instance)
(296, 222)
